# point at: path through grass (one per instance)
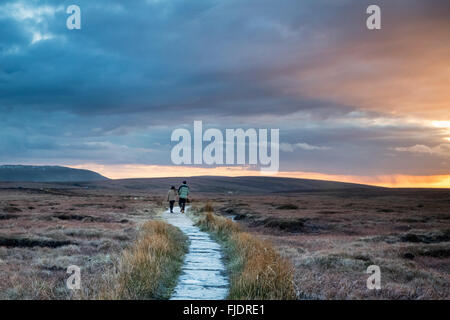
(256, 270)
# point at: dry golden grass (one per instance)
(32, 287)
(257, 271)
(208, 207)
(43, 232)
(333, 237)
(149, 269)
(222, 227)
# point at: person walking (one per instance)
(172, 197)
(183, 192)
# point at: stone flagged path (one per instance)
(203, 274)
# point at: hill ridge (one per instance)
(33, 173)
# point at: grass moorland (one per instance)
(150, 268)
(329, 237)
(332, 237)
(256, 270)
(43, 231)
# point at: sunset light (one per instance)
(225, 156)
(441, 124)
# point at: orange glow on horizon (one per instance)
(130, 171)
(441, 124)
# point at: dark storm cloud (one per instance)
(151, 55)
(137, 69)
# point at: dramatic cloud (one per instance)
(348, 101)
(442, 149)
(287, 147)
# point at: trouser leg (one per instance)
(182, 204)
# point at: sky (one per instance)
(351, 104)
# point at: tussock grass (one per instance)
(220, 226)
(208, 207)
(257, 271)
(149, 269)
(32, 287)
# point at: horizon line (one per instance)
(139, 171)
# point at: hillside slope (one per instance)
(239, 185)
(19, 173)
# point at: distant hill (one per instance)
(19, 173)
(236, 185)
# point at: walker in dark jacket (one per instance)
(183, 192)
